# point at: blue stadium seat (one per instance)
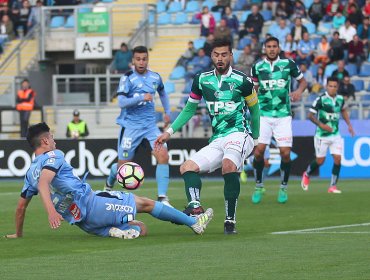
(324, 28)
(169, 87)
(365, 70)
(158, 116)
(177, 73)
(266, 14)
(107, 1)
(70, 23)
(313, 68)
(199, 43)
(174, 7)
(243, 42)
(307, 3)
(192, 7)
(312, 97)
(359, 84)
(240, 4)
(351, 68)
(273, 28)
(354, 115)
(180, 18)
(311, 28)
(151, 17)
(217, 16)
(236, 54)
(194, 20)
(316, 40)
(209, 4)
(161, 7)
(173, 115)
(164, 19)
(365, 97)
(244, 16)
(330, 68)
(83, 10)
(56, 22)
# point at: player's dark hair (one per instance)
(34, 132)
(222, 43)
(332, 79)
(140, 49)
(272, 39)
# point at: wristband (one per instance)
(170, 131)
(255, 142)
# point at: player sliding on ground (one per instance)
(228, 93)
(324, 113)
(67, 197)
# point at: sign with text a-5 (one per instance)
(355, 159)
(93, 48)
(93, 22)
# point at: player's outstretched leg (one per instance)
(109, 183)
(162, 176)
(259, 190)
(285, 172)
(231, 194)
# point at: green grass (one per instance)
(174, 252)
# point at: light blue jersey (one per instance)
(137, 113)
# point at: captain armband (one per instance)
(251, 99)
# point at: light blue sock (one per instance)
(165, 213)
(162, 176)
(112, 175)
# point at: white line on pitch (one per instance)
(319, 229)
(331, 232)
(9, 193)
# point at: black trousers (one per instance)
(24, 119)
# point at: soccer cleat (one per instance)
(283, 195)
(193, 209)
(333, 189)
(125, 234)
(164, 200)
(257, 194)
(202, 221)
(243, 177)
(305, 181)
(229, 227)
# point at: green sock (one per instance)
(285, 172)
(193, 185)
(312, 167)
(335, 174)
(231, 193)
(258, 165)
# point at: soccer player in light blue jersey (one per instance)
(136, 92)
(67, 197)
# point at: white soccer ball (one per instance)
(130, 175)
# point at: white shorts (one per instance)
(236, 147)
(279, 128)
(335, 144)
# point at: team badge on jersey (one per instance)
(281, 68)
(232, 85)
(218, 94)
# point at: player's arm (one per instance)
(20, 214)
(251, 99)
(316, 105)
(54, 217)
(302, 83)
(255, 78)
(165, 100)
(124, 87)
(348, 122)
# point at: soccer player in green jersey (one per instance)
(324, 113)
(227, 93)
(272, 79)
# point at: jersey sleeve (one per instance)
(196, 90)
(124, 85)
(316, 105)
(53, 162)
(294, 70)
(28, 191)
(246, 87)
(254, 75)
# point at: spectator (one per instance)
(21, 11)
(346, 32)
(298, 30)
(122, 60)
(340, 73)
(289, 47)
(256, 46)
(355, 17)
(270, 5)
(283, 10)
(316, 11)
(322, 52)
(299, 10)
(222, 32)
(35, 15)
(6, 27)
(336, 51)
(208, 22)
(331, 10)
(347, 89)
(25, 104)
(4, 10)
(363, 32)
(305, 50)
(338, 20)
(347, 9)
(366, 9)
(320, 81)
(307, 74)
(281, 32)
(356, 53)
(208, 44)
(232, 20)
(218, 8)
(188, 55)
(77, 128)
(245, 60)
(253, 23)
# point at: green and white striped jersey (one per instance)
(274, 85)
(225, 97)
(328, 110)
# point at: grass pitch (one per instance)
(175, 252)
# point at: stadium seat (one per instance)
(313, 68)
(365, 70)
(70, 23)
(354, 115)
(174, 7)
(244, 16)
(158, 116)
(199, 43)
(324, 28)
(192, 7)
(365, 97)
(273, 29)
(56, 22)
(330, 68)
(307, 3)
(173, 115)
(164, 19)
(243, 42)
(151, 17)
(209, 4)
(266, 14)
(239, 5)
(83, 10)
(351, 68)
(236, 54)
(311, 98)
(217, 16)
(161, 7)
(194, 20)
(359, 84)
(311, 28)
(316, 41)
(177, 73)
(180, 18)
(169, 87)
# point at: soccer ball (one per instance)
(130, 175)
